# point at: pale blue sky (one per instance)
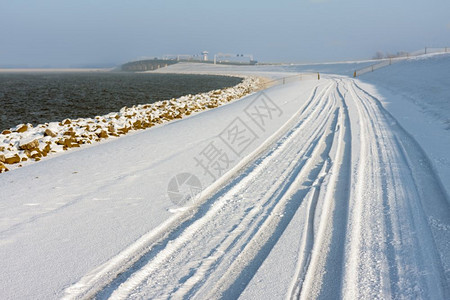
(62, 33)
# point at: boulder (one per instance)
(36, 154)
(111, 128)
(137, 125)
(102, 134)
(29, 145)
(67, 142)
(6, 132)
(46, 149)
(147, 124)
(123, 130)
(12, 159)
(48, 132)
(22, 128)
(2, 158)
(3, 168)
(70, 132)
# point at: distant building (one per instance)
(205, 55)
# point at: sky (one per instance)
(95, 33)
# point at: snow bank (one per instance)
(273, 71)
(25, 143)
(417, 93)
(423, 80)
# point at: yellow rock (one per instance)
(123, 130)
(12, 159)
(102, 134)
(70, 133)
(68, 142)
(46, 149)
(147, 124)
(137, 125)
(3, 168)
(36, 154)
(30, 145)
(48, 132)
(22, 128)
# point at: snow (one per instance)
(339, 190)
(417, 92)
(270, 71)
(423, 81)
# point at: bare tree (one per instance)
(378, 55)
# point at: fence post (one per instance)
(318, 76)
(354, 74)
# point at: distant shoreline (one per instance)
(53, 70)
(57, 136)
(37, 97)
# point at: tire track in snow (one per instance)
(321, 262)
(392, 253)
(376, 216)
(231, 223)
(395, 240)
(256, 251)
(107, 277)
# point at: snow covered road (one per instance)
(340, 189)
(339, 202)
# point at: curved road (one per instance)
(341, 202)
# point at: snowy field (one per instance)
(330, 188)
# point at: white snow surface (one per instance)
(330, 188)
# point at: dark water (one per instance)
(46, 97)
